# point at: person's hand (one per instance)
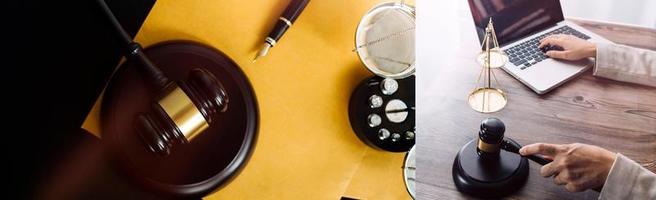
(577, 166)
(573, 48)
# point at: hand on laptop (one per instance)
(573, 48)
(577, 166)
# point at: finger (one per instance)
(546, 38)
(573, 176)
(559, 36)
(549, 169)
(567, 36)
(543, 42)
(552, 38)
(583, 184)
(551, 158)
(547, 41)
(558, 54)
(561, 178)
(539, 148)
(573, 187)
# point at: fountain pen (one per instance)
(285, 21)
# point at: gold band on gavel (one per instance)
(489, 148)
(184, 113)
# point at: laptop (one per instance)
(519, 26)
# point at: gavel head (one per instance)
(182, 111)
(490, 137)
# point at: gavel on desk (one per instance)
(182, 110)
(491, 140)
(490, 166)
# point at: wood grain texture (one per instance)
(617, 116)
(624, 34)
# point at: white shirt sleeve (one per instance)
(627, 64)
(628, 180)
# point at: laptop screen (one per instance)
(515, 19)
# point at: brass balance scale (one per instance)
(488, 99)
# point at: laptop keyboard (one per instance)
(527, 53)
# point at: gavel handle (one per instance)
(511, 146)
(155, 75)
(134, 50)
(538, 159)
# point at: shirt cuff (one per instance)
(604, 60)
(621, 179)
(626, 64)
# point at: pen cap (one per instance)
(294, 9)
(385, 40)
(286, 20)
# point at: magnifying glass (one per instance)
(409, 168)
(385, 40)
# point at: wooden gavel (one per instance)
(182, 110)
(491, 141)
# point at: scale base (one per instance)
(488, 178)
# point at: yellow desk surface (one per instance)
(306, 147)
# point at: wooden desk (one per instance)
(618, 116)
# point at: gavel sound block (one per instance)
(138, 118)
(483, 169)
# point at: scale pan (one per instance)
(487, 100)
(497, 58)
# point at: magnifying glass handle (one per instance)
(512, 146)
